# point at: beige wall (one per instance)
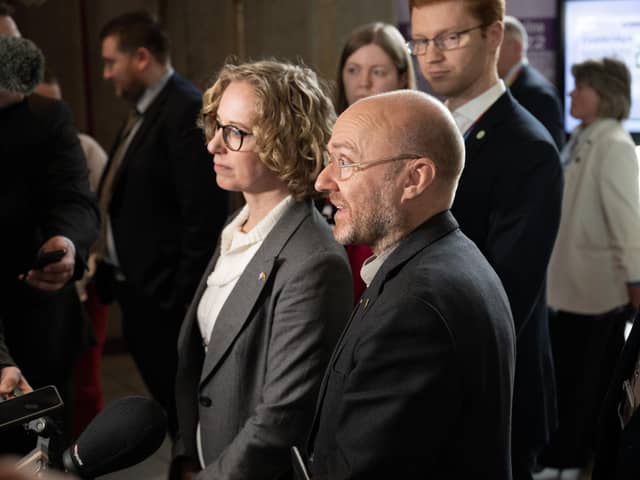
(57, 31)
(203, 33)
(312, 30)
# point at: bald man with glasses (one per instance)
(508, 200)
(420, 384)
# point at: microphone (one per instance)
(21, 65)
(126, 432)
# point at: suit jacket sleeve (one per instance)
(5, 356)
(523, 225)
(203, 205)
(71, 208)
(403, 373)
(307, 306)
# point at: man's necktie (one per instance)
(106, 190)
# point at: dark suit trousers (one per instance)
(151, 334)
(585, 349)
(522, 465)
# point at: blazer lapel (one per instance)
(325, 378)
(430, 231)
(427, 233)
(149, 119)
(237, 309)
(486, 126)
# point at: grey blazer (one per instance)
(254, 390)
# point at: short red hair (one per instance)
(486, 11)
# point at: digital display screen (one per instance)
(603, 28)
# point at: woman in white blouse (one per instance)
(594, 272)
(264, 320)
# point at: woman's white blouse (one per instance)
(236, 251)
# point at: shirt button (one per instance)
(205, 401)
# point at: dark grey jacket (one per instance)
(255, 388)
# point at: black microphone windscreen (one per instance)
(21, 65)
(126, 432)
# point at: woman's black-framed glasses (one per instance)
(232, 136)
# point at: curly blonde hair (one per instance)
(293, 123)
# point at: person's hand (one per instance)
(54, 276)
(11, 379)
(9, 470)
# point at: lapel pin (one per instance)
(262, 277)
(366, 302)
(480, 135)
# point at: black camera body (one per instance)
(20, 410)
(32, 411)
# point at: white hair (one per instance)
(514, 26)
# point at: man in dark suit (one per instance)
(508, 201)
(163, 209)
(529, 87)
(420, 383)
(618, 449)
(45, 205)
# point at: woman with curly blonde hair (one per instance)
(258, 334)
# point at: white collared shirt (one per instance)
(152, 92)
(237, 248)
(372, 264)
(469, 113)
